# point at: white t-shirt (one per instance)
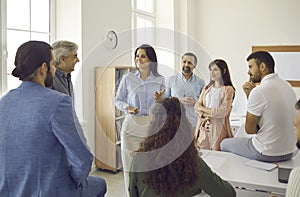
(212, 99)
(274, 102)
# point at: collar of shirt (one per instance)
(269, 76)
(29, 84)
(183, 77)
(62, 73)
(138, 74)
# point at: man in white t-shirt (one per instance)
(270, 114)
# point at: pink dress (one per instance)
(210, 136)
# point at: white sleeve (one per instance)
(293, 187)
(168, 88)
(120, 100)
(257, 103)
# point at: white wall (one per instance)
(165, 22)
(228, 29)
(99, 16)
(68, 27)
(86, 22)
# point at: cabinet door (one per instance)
(105, 118)
(108, 118)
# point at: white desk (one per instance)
(248, 181)
(236, 122)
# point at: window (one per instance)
(145, 6)
(146, 14)
(29, 20)
(143, 18)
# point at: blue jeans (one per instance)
(245, 148)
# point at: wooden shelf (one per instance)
(108, 126)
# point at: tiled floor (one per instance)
(115, 182)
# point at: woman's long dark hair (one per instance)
(170, 126)
(150, 52)
(226, 79)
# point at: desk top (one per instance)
(232, 168)
(237, 121)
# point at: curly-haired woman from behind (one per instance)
(167, 163)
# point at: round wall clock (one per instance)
(111, 39)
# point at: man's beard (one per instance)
(186, 70)
(256, 78)
(49, 81)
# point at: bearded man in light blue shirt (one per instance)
(186, 86)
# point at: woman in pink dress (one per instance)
(213, 108)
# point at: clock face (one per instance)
(111, 40)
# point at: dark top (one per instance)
(208, 181)
(63, 84)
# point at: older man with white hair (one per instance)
(65, 53)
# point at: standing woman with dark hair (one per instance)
(167, 163)
(136, 94)
(213, 108)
